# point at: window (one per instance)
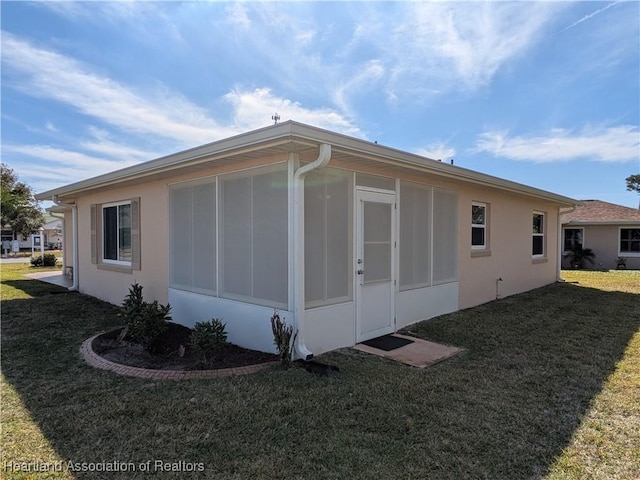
(328, 238)
(630, 241)
(573, 238)
(478, 226)
(415, 236)
(116, 233)
(538, 234)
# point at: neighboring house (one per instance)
(611, 231)
(347, 238)
(52, 235)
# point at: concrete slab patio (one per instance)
(55, 277)
(419, 353)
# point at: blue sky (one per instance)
(542, 93)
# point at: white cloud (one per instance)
(436, 151)
(237, 15)
(72, 159)
(51, 75)
(161, 113)
(592, 14)
(431, 47)
(253, 109)
(364, 79)
(45, 166)
(609, 144)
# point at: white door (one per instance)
(375, 265)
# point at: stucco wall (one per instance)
(604, 241)
(509, 254)
(113, 286)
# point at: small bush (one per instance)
(46, 260)
(283, 338)
(144, 322)
(208, 340)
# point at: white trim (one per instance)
(627, 254)
(362, 196)
(537, 256)
(482, 226)
(110, 261)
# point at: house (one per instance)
(52, 232)
(348, 239)
(611, 231)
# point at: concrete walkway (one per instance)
(55, 277)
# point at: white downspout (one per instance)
(74, 240)
(298, 246)
(561, 243)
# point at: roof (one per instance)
(599, 212)
(288, 137)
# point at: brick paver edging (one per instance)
(95, 360)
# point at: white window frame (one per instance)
(622, 253)
(126, 263)
(482, 226)
(542, 235)
(564, 250)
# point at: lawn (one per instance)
(548, 387)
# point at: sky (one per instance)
(541, 93)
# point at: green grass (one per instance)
(547, 387)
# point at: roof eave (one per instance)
(298, 133)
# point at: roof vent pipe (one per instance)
(74, 240)
(298, 246)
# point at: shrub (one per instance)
(46, 260)
(144, 322)
(208, 340)
(283, 338)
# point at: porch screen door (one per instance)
(375, 265)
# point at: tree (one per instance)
(20, 211)
(633, 184)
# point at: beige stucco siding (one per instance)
(508, 257)
(112, 286)
(509, 254)
(604, 241)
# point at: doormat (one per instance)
(387, 342)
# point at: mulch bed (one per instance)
(168, 352)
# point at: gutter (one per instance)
(561, 243)
(74, 240)
(298, 246)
